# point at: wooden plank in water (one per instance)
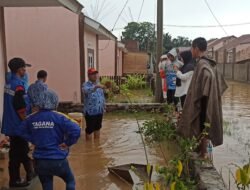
(123, 172)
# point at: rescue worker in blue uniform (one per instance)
(52, 133)
(15, 110)
(35, 90)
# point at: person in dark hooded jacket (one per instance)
(184, 76)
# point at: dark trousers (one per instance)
(171, 99)
(19, 149)
(46, 169)
(183, 98)
(93, 123)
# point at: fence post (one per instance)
(248, 72)
(224, 61)
(234, 61)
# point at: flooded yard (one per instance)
(119, 144)
(236, 147)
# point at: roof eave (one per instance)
(107, 33)
(72, 5)
(104, 34)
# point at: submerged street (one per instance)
(236, 147)
(120, 144)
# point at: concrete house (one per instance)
(135, 61)
(239, 46)
(100, 48)
(59, 41)
(121, 51)
(111, 57)
(216, 44)
(243, 50)
(72, 5)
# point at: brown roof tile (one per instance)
(240, 40)
(219, 40)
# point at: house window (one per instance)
(210, 54)
(91, 61)
(230, 57)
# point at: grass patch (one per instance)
(136, 96)
(141, 115)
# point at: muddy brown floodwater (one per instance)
(119, 144)
(236, 147)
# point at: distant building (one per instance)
(132, 45)
(242, 50)
(100, 48)
(135, 61)
(216, 44)
(111, 56)
(121, 51)
(209, 42)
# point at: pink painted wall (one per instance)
(107, 57)
(90, 43)
(47, 38)
(119, 61)
(2, 74)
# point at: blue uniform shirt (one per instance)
(35, 90)
(25, 79)
(171, 76)
(48, 129)
(171, 73)
(94, 100)
(11, 119)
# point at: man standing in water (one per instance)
(94, 104)
(203, 102)
(15, 111)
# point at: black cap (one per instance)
(17, 63)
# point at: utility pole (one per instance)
(158, 87)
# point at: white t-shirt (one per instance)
(185, 83)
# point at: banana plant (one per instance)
(242, 177)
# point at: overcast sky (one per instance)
(177, 12)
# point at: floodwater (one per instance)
(119, 144)
(236, 147)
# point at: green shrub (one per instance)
(110, 84)
(158, 130)
(135, 81)
(111, 88)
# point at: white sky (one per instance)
(178, 12)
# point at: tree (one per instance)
(143, 32)
(180, 41)
(167, 42)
